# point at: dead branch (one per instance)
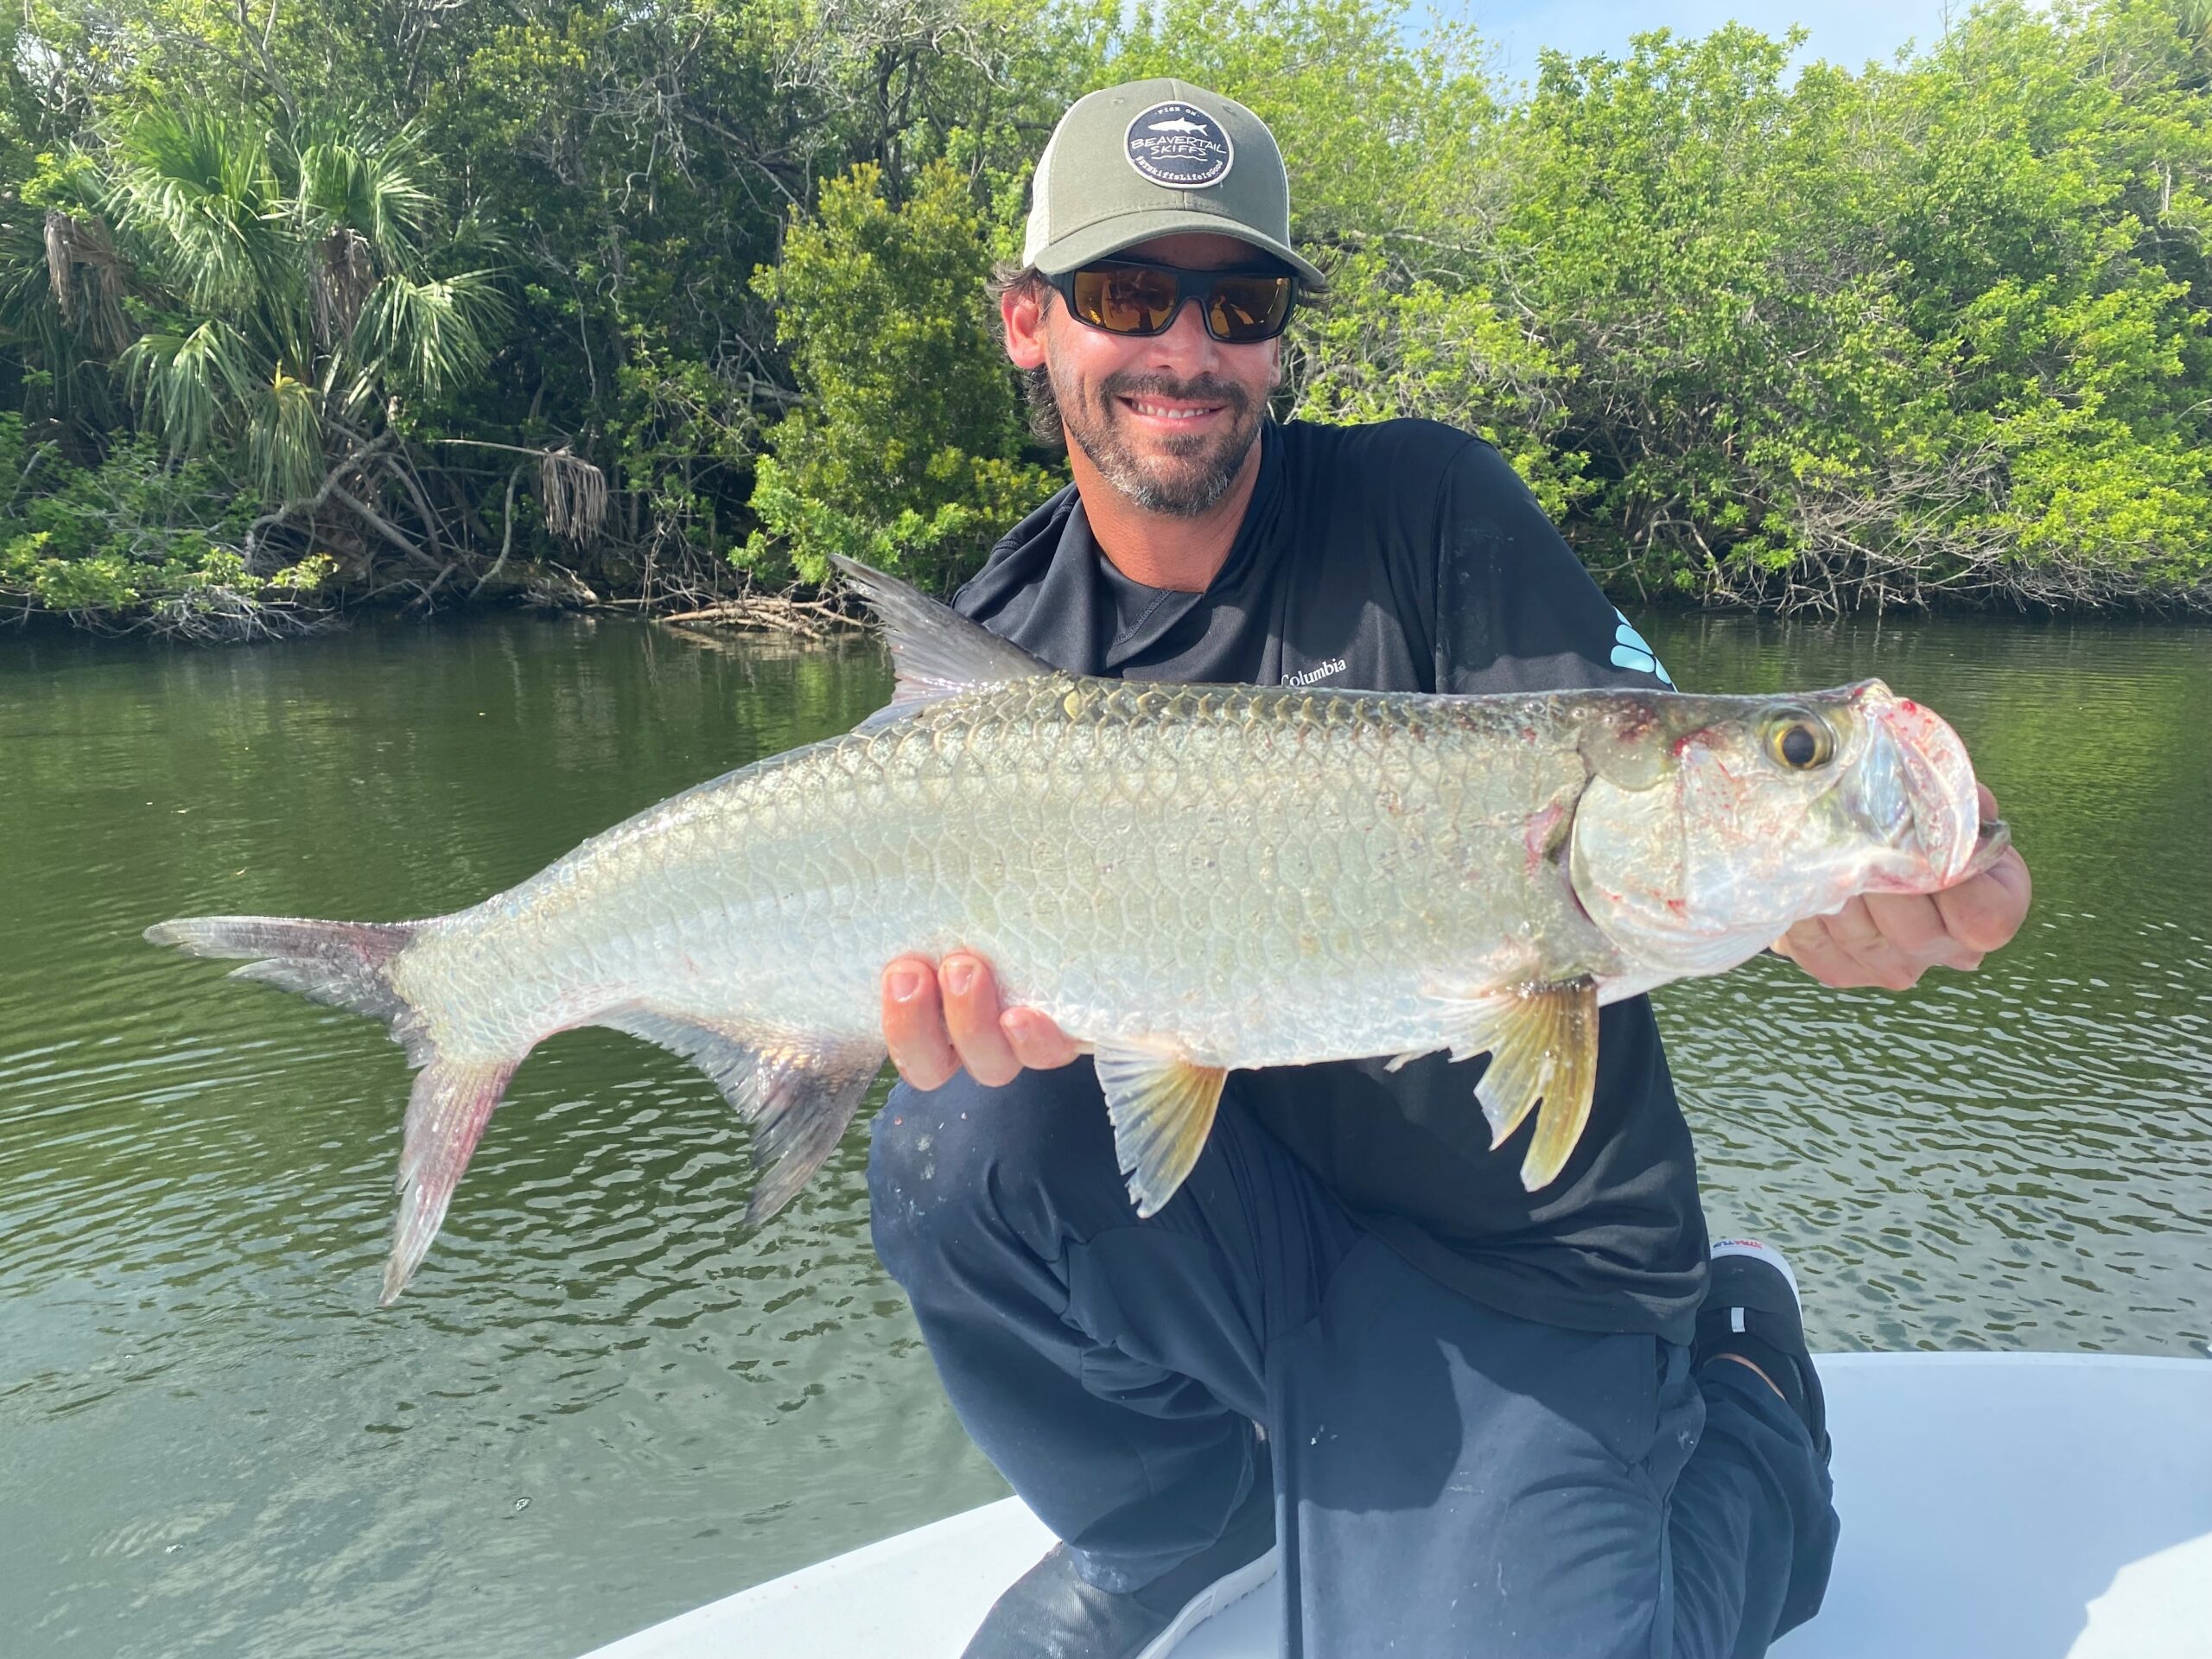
(770, 613)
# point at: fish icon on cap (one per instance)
(1153, 158)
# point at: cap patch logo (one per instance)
(1178, 145)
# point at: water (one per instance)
(601, 1402)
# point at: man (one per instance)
(1495, 1423)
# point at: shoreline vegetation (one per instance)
(431, 303)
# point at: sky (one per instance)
(1843, 31)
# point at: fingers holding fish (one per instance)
(913, 1024)
(995, 1044)
(970, 996)
(1889, 939)
(1886, 940)
(1038, 1044)
(1914, 926)
(1813, 944)
(938, 1020)
(1986, 910)
(1912, 930)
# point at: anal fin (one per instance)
(1162, 1106)
(797, 1090)
(1543, 1048)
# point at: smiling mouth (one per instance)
(1159, 411)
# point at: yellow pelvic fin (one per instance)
(1162, 1106)
(1546, 1050)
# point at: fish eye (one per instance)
(1798, 740)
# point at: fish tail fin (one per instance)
(451, 1102)
(348, 965)
(342, 963)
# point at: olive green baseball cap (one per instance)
(1157, 158)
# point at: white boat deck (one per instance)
(1995, 1506)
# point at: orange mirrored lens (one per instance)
(1125, 300)
(1247, 307)
(1239, 307)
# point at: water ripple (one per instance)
(601, 1400)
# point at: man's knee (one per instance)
(965, 1162)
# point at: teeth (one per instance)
(1165, 413)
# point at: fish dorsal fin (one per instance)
(1162, 1106)
(935, 651)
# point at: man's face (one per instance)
(1167, 421)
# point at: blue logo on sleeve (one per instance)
(1631, 650)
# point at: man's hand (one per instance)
(936, 1019)
(1891, 938)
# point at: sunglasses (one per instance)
(1134, 296)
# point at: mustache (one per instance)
(1200, 388)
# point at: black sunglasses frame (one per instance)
(1189, 285)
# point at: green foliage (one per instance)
(905, 454)
(137, 538)
(1380, 137)
(290, 298)
(1396, 343)
(1874, 338)
(685, 294)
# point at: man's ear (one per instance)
(1021, 311)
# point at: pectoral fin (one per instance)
(1545, 1048)
(1162, 1107)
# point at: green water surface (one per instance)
(601, 1402)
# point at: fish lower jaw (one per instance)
(1711, 953)
(1924, 880)
(1905, 866)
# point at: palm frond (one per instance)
(189, 386)
(355, 181)
(427, 336)
(285, 447)
(194, 189)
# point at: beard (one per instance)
(1179, 477)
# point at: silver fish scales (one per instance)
(1188, 878)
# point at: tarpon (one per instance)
(1188, 878)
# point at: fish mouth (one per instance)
(1989, 845)
(1916, 790)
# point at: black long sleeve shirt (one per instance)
(1409, 556)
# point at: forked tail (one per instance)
(348, 965)
(798, 1089)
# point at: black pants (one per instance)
(1450, 1482)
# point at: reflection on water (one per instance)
(601, 1401)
